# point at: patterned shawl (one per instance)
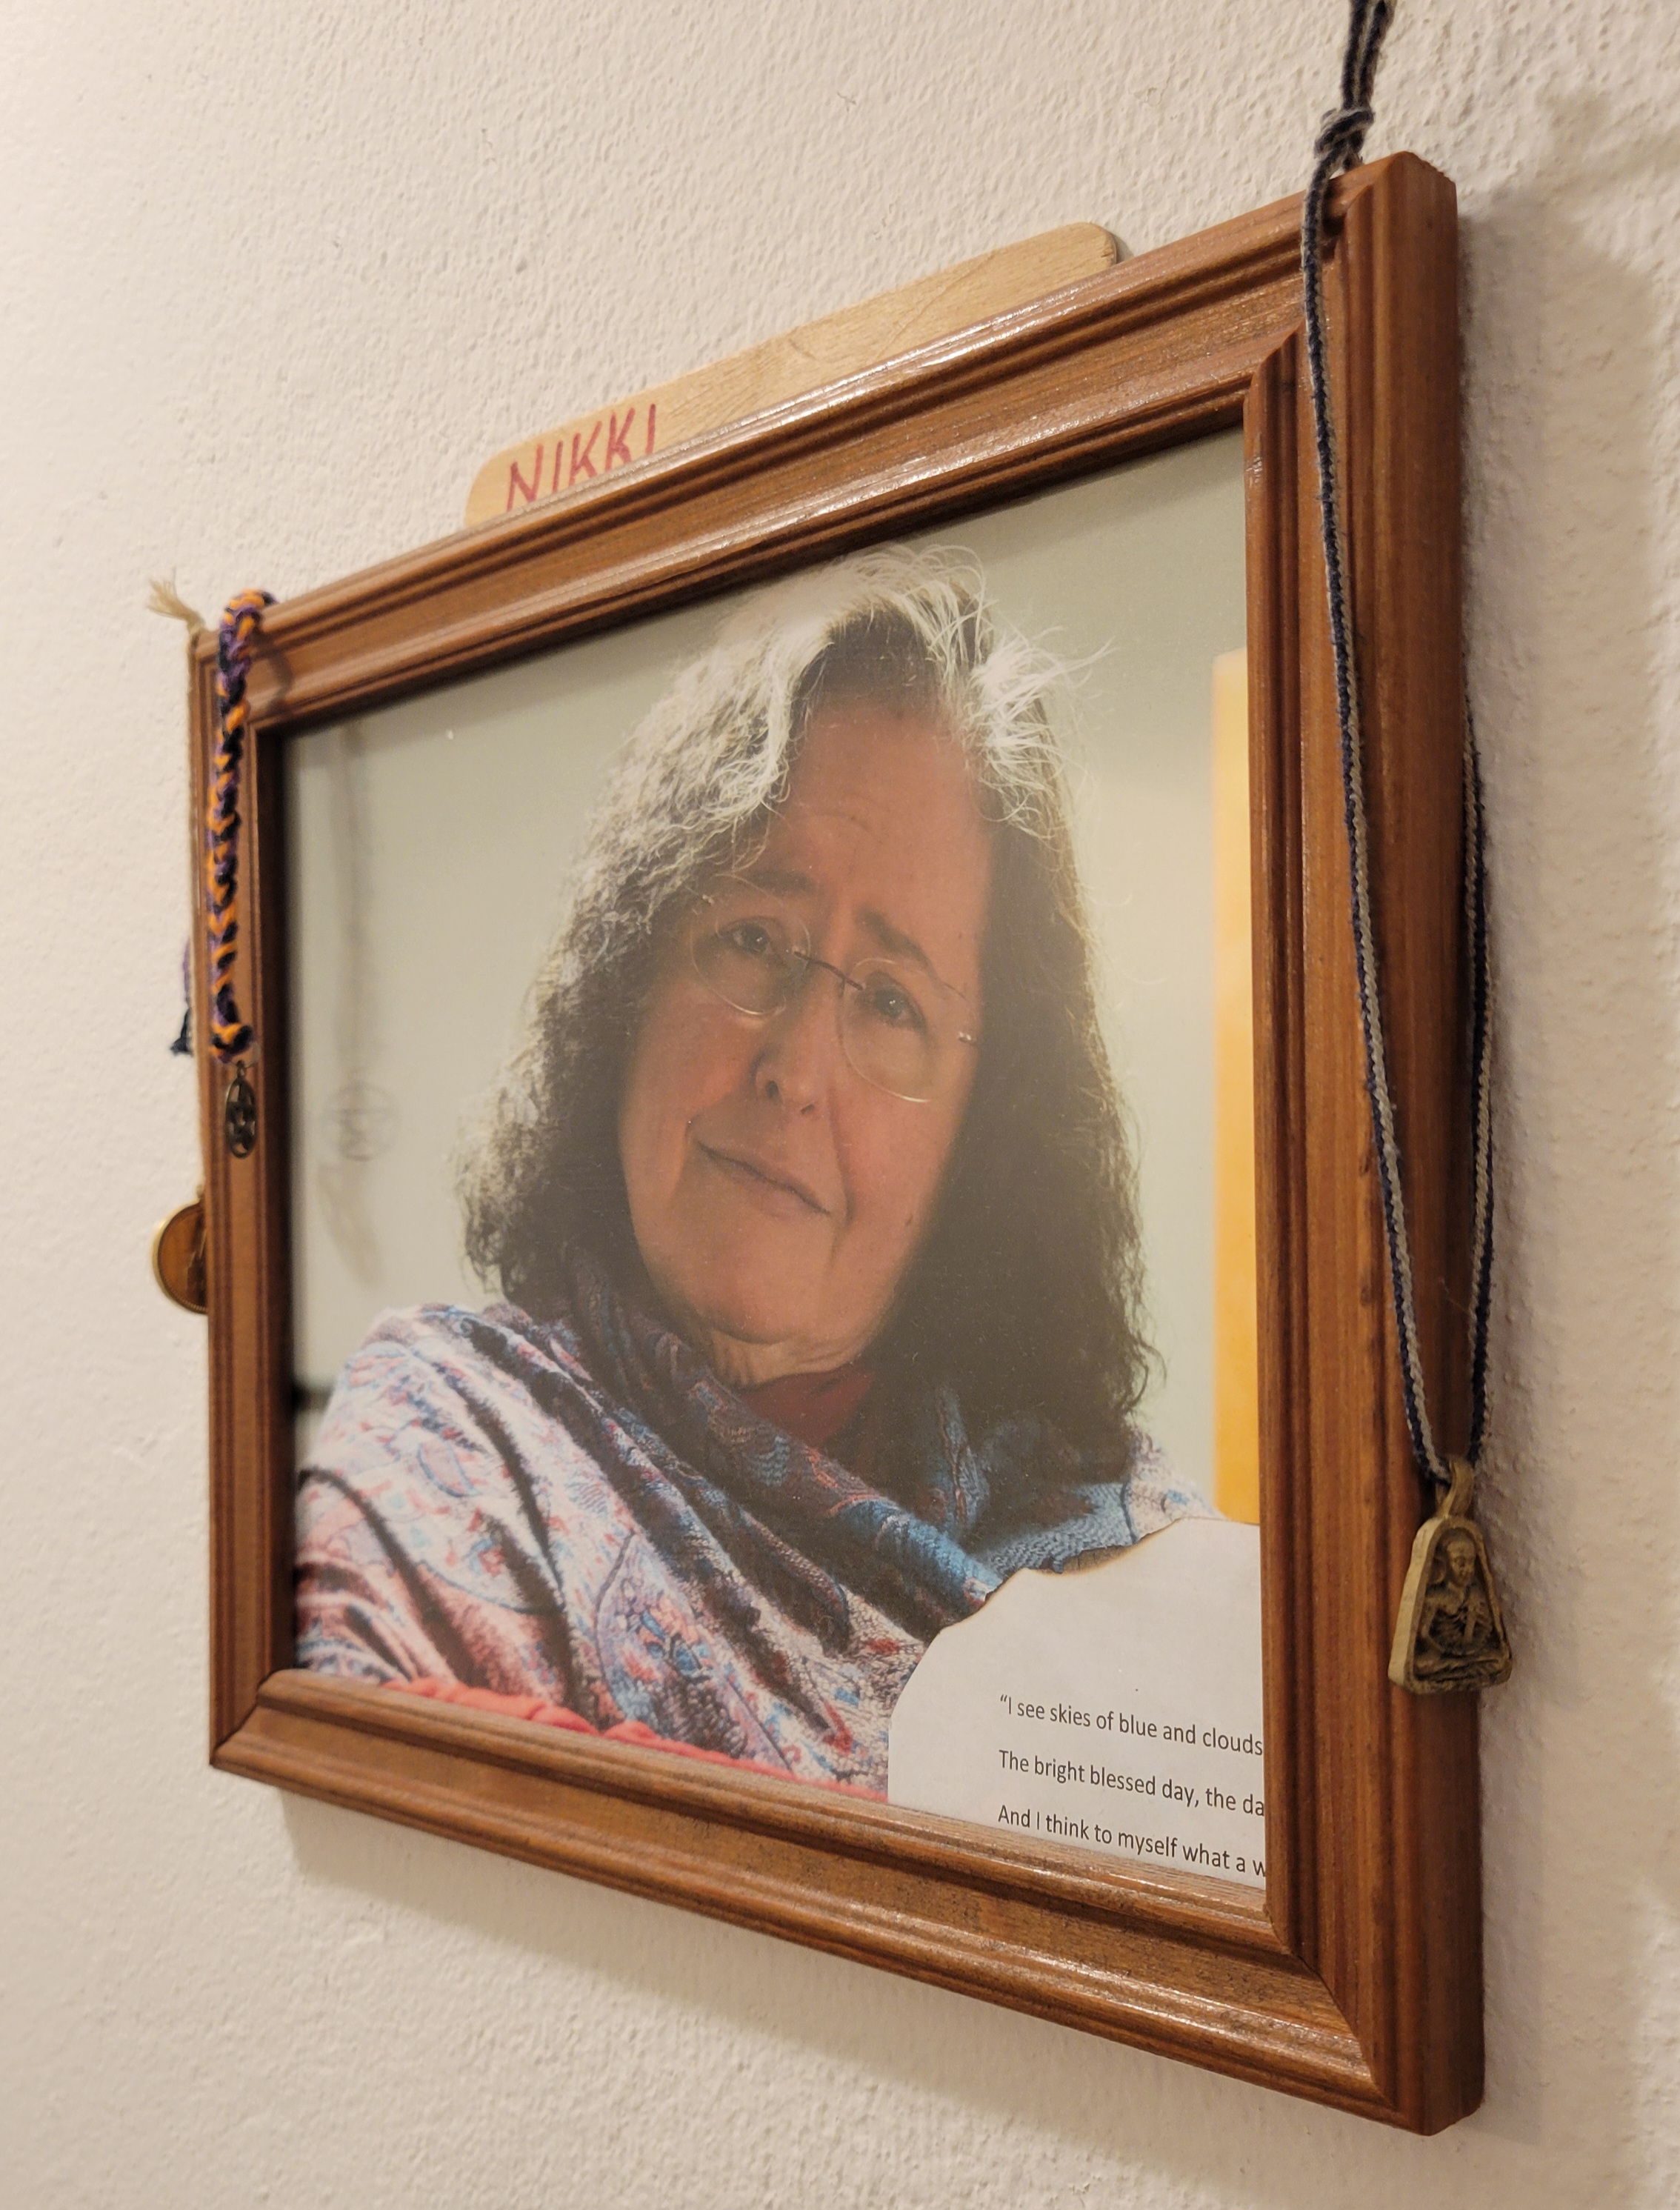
(578, 1509)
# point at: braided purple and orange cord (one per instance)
(231, 1036)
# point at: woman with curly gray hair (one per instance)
(810, 1201)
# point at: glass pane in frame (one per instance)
(431, 843)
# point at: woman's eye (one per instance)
(750, 938)
(888, 1002)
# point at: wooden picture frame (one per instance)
(1356, 1979)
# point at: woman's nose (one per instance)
(797, 1062)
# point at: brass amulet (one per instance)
(1450, 1635)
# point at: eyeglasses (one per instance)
(898, 1025)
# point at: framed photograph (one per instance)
(803, 1330)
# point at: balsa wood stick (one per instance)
(592, 445)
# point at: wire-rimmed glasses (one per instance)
(900, 1027)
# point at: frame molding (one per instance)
(1357, 1980)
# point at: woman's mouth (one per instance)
(770, 1184)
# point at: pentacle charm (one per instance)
(238, 1115)
(1450, 1634)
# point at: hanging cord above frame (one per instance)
(230, 1037)
(1450, 1634)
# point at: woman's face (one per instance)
(778, 1197)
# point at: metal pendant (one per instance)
(238, 1115)
(1450, 1634)
(177, 1256)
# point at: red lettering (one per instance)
(516, 482)
(582, 464)
(648, 447)
(618, 440)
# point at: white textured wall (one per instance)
(271, 284)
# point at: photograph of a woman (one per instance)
(809, 1209)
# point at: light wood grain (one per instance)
(586, 447)
(1358, 1983)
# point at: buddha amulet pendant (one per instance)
(1450, 1634)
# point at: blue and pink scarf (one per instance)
(578, 1511)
